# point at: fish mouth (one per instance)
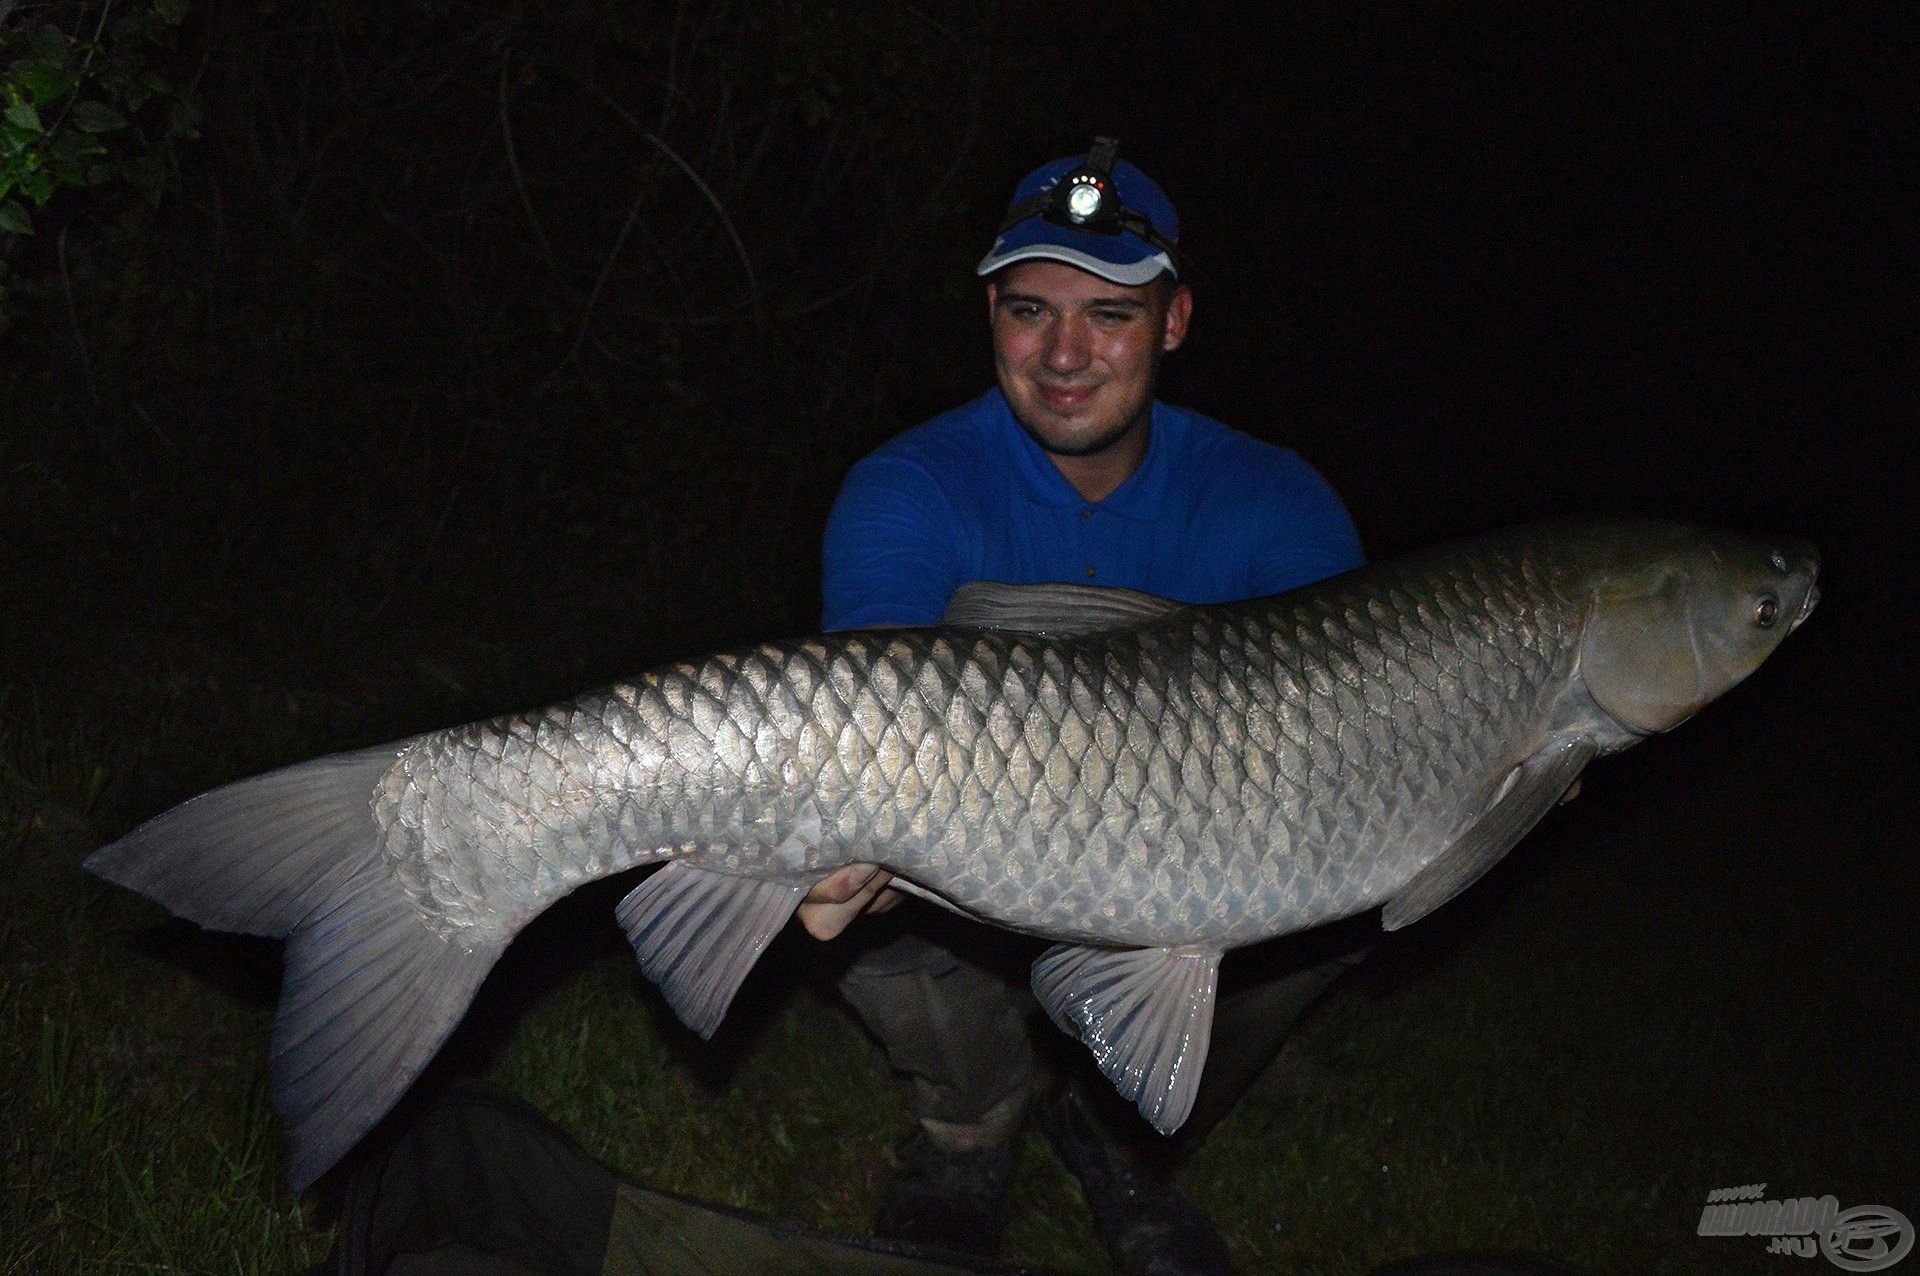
(1806, 608)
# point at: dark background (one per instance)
(1477, 263)
(447, 359)
(421, 311)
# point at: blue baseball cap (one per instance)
(1123, 258)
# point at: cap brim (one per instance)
(1130, 275)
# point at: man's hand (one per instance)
(843, 896)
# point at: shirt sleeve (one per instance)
(890, 555)
(1308, 533)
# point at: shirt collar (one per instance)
(1042, 482)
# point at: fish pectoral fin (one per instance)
(1061, 611)
(1537, 785)
(698, 933)
(1146, 1013)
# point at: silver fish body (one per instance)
(1223, 775)
(1150, 782)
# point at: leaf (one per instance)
(43, 80)
(37, 186)
(63, 166)
(14, 219)
(97, 117)
(62, 151)
(53, 44)
(22, 116)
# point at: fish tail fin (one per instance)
(259, 855)
(369, 996)
(370, 991)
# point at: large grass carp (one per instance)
(1148, 782)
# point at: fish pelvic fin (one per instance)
(369, 992)
(697, 934)
(1146, 1013)
(1536, 786)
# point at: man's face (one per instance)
(1076, 355)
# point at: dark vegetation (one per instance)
(368, 368)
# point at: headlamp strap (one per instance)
(1100, 159)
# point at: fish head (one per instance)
(1679, 615)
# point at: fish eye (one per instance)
(1767, 611)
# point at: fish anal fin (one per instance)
(1536, 786)
(1146, 1013)
(1060, 610)
(697, 934)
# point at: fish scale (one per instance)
(1150, 783)
(1213, 747)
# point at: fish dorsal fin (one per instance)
(1059, 611)
(698, 933)
(1146, 1013)
(1536, 786)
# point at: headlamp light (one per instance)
(1083, 200)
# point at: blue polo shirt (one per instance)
(1210, 516)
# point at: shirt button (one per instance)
(1089, 573)
(1085, 515)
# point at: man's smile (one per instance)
(1064, 398)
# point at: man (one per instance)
(1068, 470)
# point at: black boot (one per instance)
(1147, 1226)
(957, 1201)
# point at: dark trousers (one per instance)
(942, 1003)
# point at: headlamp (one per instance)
(1083, 201)
(1087, 199)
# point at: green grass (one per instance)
(136, 1131)
(1563, 1063)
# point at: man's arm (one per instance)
(890, 556)
(1307, 534)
